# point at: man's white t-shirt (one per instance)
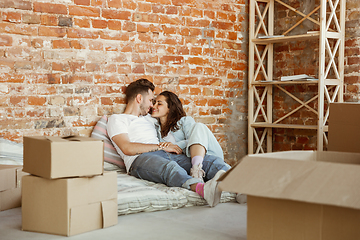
(139, 129)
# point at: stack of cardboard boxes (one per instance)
(67, 192)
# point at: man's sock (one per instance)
(200, 189)
(197, 160)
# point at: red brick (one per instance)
(96, 23)
(21, 29)
(197, 13)
(164, 19)
(49, 20)
(61, 44)
(31, 18)
(60, 67)
(129, 26)
(150, 69)
(197, 61)
(5, 40)
(169, 29)
(98, 3)
(76, 44)
(82, 22)
(114, 3)
(115, 14)
(189, 81)
(81, 33)
(82, 2)
(144, 7)
(144, 58)
(124, 69)
(12, 78)
(217, 102)
(158, 8)
(182, 2)
(197, 23)
(14, 17)
(96, 45)
(139, 68)
(171, 10)
(171, 60)
(163, 2)
(6, 63)
(145, 17)
(116, 25)
(112, 35)
(52, 31)
(129, 4)
(17, 4)
(84, 11)
(49, 8)
(18, 101)
(39, 101)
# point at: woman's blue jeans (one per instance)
(173, 169)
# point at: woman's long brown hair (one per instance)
(176, 112)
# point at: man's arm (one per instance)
(131, 148)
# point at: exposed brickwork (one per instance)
(63, 64)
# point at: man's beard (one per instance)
(143, 111)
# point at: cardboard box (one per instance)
(58, 157)
(299, 195)
(69, 206)
(10, 186)
(344, 127)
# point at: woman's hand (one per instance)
(170, 147)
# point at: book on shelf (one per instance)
(301, 77)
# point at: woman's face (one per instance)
(160, 108)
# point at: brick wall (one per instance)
(65, 63)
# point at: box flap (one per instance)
(309, 181)
(109, 212)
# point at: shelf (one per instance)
(296, 126)
(309, 82)
(302, 37)
(284, 82)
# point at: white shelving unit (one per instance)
(330, 21)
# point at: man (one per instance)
(135, 139)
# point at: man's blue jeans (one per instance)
(173, 169)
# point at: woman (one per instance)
(175, 127)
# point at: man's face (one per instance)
(147, 103)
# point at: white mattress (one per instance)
(134, 195)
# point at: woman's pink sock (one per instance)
(200, 189)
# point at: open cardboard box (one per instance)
(69, 206)
(299, 195)
(10, 186)
(344, 127)
(58, 157)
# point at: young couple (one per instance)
(168, 147)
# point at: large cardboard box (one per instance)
(58, 157)
(69, 206)
(344, 127)
(299, 195)
(10, 186)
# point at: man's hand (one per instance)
(170, 147)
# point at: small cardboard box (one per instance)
(10, 186)
(58, 157)
(299, 195)
(344, 127)
(69, 206)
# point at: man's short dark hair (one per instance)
(140, 86)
